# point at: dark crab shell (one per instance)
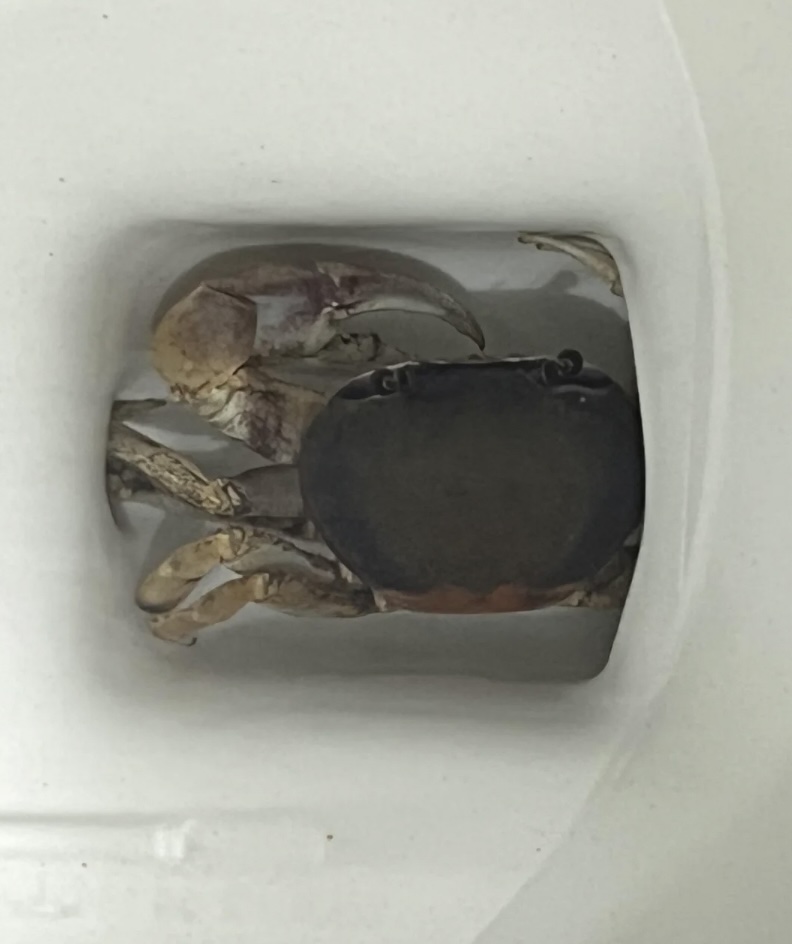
(464, 487)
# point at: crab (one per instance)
(387, 483)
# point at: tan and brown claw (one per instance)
(225, 348)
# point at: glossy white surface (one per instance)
(176, 794)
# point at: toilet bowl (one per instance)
(412, 782)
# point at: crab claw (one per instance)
(204, 338)
(359, 289)
(271, 308)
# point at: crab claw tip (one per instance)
(362, 290)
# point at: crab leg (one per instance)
(317, 589)
(609, 589)
(241, 548)
(267, 414)
(172, 473)
(585, 249)
(141, 469)
(288, 592)
(172, 580)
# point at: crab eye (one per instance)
(571, 362)
(378, 383)
(567, 365)
(361, 388)
(550, 373)
(387, 382)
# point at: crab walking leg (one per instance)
(609, 589)
(217, 606)
(585, 249)
(171, 472)
(242, 548)
(318, 590)
(290, 592)
(173, 579)
(125, 485)
(141, 469)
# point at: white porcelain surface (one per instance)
(213, 793)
